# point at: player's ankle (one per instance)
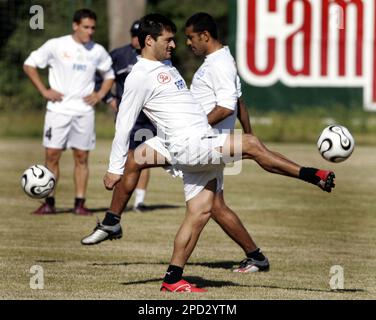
(50, 201)
(111, 219)
(256, 255)
(309, 175)
(173, 274)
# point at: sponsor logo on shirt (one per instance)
(79, 67)
(180, 84)
(164, 78)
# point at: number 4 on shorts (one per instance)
(48, 134)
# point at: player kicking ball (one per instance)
(186, 140)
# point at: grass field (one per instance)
(302, 230)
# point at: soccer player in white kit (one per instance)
(70, 117)
(184, 139)
(216, 85)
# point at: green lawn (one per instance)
(302, 230)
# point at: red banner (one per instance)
(308, 43)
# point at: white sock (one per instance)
(140, 196)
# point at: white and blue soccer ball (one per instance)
(336, 143)
(38, 181)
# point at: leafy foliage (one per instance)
(16, 91)
(17, 39)
(184, 59)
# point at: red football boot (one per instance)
(326, 182)
(181, 286)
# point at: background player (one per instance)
(70, 117)
(218, 90)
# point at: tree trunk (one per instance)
(121, 15)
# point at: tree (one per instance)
(121, 15)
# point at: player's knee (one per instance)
(253, 145)
(131, 164)
(202, 217)
(81, 159)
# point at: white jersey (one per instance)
(216, 83)
(159, 90)
(72, 68)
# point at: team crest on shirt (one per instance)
(66, 55)
(164, 78)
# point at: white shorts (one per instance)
(199, 161)
(63, 131)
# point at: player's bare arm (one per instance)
(113, 105)
(96, 97)
(48, 93)
(243, 116)
(218, 114)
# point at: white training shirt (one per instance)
(72, 68)
(160, 91)
(216, 83)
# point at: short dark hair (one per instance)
(201, 22)
(153, 24)
(82, 14)
(134, 28)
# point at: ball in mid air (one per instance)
(336, 144)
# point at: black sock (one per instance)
(309, 175)
(111, 219)
(257, 255)
(79, 202)
(50, 201)
(173, 274)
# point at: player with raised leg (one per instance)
(186, 140)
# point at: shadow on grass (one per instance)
(49, 261)
(147, 208)
(215, 265)
(306, 289)
(221, 265)
(124, 264)
(153, 207)
(200, 282)
(205, 283)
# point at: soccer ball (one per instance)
(335, 143)
(38, 181)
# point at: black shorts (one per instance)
(142, 131)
